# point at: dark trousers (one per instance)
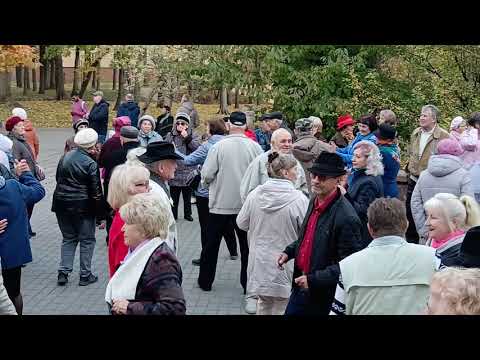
(298, 302)
(187, 200)
(229, 233)
(411, 234)
(208, 261)
(29, 212)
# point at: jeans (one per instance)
(76, 229)
(217, 225)
(298, 302)
(411, 234)
(187, 200)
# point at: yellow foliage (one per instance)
(12, 55)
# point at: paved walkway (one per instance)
(39, 279)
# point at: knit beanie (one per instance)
(11, 122)
(80, 122)
(449, 146)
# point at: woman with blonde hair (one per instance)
(126, 181)
(455, 291)
(149, 281)
(448, 218)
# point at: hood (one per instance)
(102, 102)
(28, 125)
(442, 165)
(131, 105)
(275, 194)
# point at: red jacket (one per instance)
(250, 134)
(117, 250)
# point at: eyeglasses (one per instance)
(182, 123)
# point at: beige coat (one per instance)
(417, 163)
(272, 214)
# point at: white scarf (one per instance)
(123, 284)
(172, 225)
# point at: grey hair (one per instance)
(132, 154)
(388, 116)
(277, 133)
(278, 162)
(316, 121)
(374, 158)
(433, 110)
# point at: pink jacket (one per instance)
(79, 110)
(470, 144)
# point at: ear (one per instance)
(370, 231)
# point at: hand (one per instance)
(342, 189)
(282, 259)
(333, 146)
(120, 307)
(87, 115)
(21, 167)
(184, 133)
(3, 225)
(302, 281)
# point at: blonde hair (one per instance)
(149, 213)
(463, 211)
(278, 162)
(374, 158)
(122, 183)
(459, 289)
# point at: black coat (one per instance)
(363, 190)
(78, 189)
(164, 125)
(98, 118)
(337, 235)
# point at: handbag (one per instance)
(194, 181)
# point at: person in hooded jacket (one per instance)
(113, 143)
(98, 116)
(164, 121)
(276, 199)
(147, 135)
(129, 108)
(31, 135)
(445, 174)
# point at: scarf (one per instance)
(437, 243)
(389, 147)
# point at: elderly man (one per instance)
(222, 172)
(256, 173)
(387, 116)
(395, 275)
(129, 108)
(161, 159)
(423, 143)
(330, 232)
(98, 116)
(275, 121)
(77, 202)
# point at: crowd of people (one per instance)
(320, 225)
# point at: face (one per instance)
(283, 143)
(347, 130)
(19, 128)
(163, 111)
(323, 185)
(363, 129)
(272, 124)
(264, 126)
(132, 235)
(426, 120)
(437, 228)
(359, 161)
(436, 305)
(166, 169)
(181, 125)
(97, 99)
(82, 127)
(462, 128)
(139, 187)
(146, 126)
(291, 174)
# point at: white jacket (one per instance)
(272, 214)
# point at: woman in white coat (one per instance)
(272, 214)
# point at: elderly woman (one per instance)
(467, 137)
(455, 291)
(445, 174)
(344, 134)
(448, 217)
(77, 126)
(149, 281)
(147, 134)
(126, 181)
(276, 199)
(365, 184)
(317, 128)
(185, 142)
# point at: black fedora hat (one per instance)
(469, 255)
(328, 164)
(159, 150)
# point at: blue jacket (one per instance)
(15, 196)
(199, 156)
(391, 168)
(130, 109)
(347, 152)
(262, 139)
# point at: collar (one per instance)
(322, 205)
(387, 240)
(428, 132)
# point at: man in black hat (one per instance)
(275, 121)
(161, 159)
(330, 232)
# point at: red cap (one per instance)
(344, 120)
(11, 122)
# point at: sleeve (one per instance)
(338, 305)
(36, 144)
(210, 167)
(250, 180)
(466, 185)
(301, 183)
(243, 217)
(165, 288)
(84, 108)
(345, 154)
(197, 157)
(95, 191)
(31, 189)
(366, 196)
(100, 113)
(416, 204)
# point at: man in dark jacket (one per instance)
(330, 232)
(129, 108)
(98, 116)
(77, 202)
(164, 121)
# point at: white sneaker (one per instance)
(250, 305)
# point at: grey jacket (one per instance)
(223, 170)
(145, 139)
(186, 146)
(444, 174)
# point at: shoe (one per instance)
(189, 218)
(62, 278)
(196, 262)
(204, 288)
(33, 234)
(90, 279)
(233, 257)
(193, 200)
(250, 305)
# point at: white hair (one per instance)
(132, 154)
(122, 183)
(316, 121)
(374, 158)
(277, 134)
(433, 110)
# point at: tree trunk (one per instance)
(75, 71)
(237, 98)
(59, 78)
(99, 76)
(229, 97)
(94, 79)
(86, 80)
(26, 80)
(4, 85)
(120, 93)
(136, 90)
(53, 74)
(34, 79)
(43, 68)
(149, 100)
(114, 86)
(223, 101)
(18, 75)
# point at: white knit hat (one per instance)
(86, 138)
(147, 118)
(21, 113)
